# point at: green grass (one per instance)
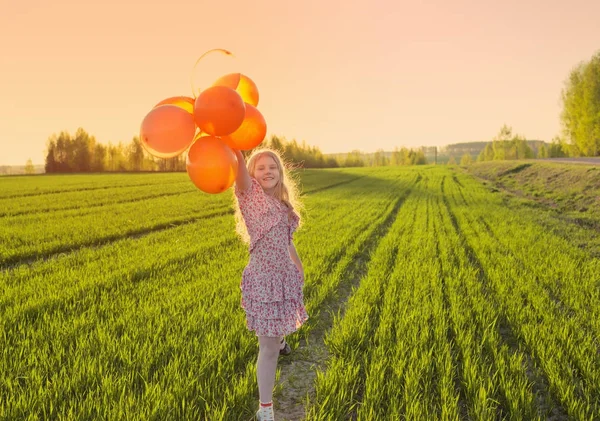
(119, 298)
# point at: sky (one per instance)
(340, 75)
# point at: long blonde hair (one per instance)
(286, 190)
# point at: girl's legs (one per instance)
(266, 366)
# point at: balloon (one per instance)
(167, 131)
(242, 84)
(211, 165)
(219, 110)
(210, 66)
(184, 102)
(251, 133)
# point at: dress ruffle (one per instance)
(293, 315)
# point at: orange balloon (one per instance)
(211, 165)
(184, 102)
(219, 110)
(242, 84)
(167, 131)
(251, 133)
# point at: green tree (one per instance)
(354, 159)
(466, 159)
(81, 151)
(396, 158)
(556, 150)
(487, 154)
(379, 158)
(580, 116)
(543, 152)
(135, 153)
(522, 149)
(98, 158)
(62, 152)
(506, 146)
(50, 165)
(275, 143)
(29, 168)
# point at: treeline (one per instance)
(66, 153)
(381, 158)
(80, 153)
(507, 146)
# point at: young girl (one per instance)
(273, 279)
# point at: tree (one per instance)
(396, 158)
(487, 154)
(580, 98)
(51, 165)
(522, 149)
(466, 159)
(504, 134)
(543, 152)
(29, 168)
(276, 143)
(62, 153)
(379, 159)
(136, 154)
(81, 151)
(555, 150)
(506, 146)
(98, 158)
(354, 159)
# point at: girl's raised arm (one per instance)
(243, 180)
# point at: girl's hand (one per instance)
(296, 259)
(243, 180)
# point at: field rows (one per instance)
(105, 313)
(467, 311)
(458, 308)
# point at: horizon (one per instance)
(365, 75)
(441, 149)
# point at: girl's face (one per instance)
(266, 172)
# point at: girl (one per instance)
(273, 279)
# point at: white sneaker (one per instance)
(265, 413)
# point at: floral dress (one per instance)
(271, 283)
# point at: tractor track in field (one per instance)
(29, 258)
(81, 189)
(100, 205)
(331, 186)
(52, 304)
(507, 335)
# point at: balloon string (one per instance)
(226, 52)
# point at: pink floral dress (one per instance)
(271, 283)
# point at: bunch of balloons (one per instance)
(223, 117)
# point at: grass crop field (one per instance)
(434, 293)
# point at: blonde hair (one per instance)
(286, 190)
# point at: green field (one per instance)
(434, 293)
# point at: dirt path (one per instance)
(297, 376)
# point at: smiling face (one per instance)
(266, 172)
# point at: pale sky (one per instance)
(340, 75)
